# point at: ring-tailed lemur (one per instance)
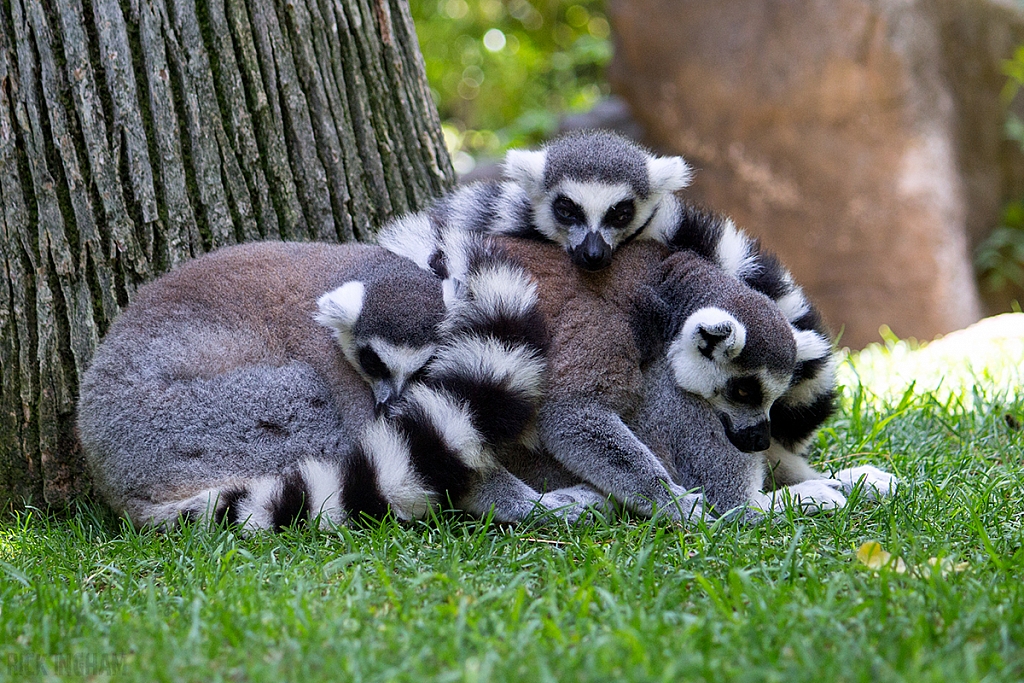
(216, 394)
(594, 191)
(690, 439)
(728, 344)
(605, 326)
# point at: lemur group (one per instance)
(575, 337)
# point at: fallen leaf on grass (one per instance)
(872, 555)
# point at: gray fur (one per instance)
(611, 186)
(690, 440)
(218, 374)
(630, 432)
(509, 498)
(217, 394)
(724, 338)
(595, 380)
(597, 155)
(687, 435)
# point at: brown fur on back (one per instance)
(592, 345)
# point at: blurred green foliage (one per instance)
(999, 260)
(502, 72)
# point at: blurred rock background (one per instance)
(872, 143)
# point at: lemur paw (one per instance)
(811, 496)
(876, 483)
(684, 506)
(576, 503)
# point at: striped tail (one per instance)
(483, 389)
(310, 491)
(810, 399)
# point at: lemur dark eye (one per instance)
(567, 212)
(745, 391)
(372, 364)
(620, 215)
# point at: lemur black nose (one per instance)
(753, 439)
(749, 439)
(593, 254)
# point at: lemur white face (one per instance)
(589, 206)
(703, 359)
(386, 367)
(591, 219)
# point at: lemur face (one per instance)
(594, 191)
(590, 219)
(743, 404)
(388, 368)
(387, 361)
(712, 357)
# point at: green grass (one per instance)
(453, 599)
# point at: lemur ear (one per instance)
(649, 320)
(668, 174)
(340, 308)
(526, 168)
(715, 334)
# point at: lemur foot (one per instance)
(811, 496)
(685, 507)
(576, 503)
(876, 483)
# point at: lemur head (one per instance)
(593, 191)
(387, 327)
(736, 368)
(729, 344)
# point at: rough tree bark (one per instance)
(136, 134)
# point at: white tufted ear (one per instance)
(715, 334)
(526, 169)
(340, 308)
(668, 174)
(700, 353)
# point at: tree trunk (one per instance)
(136, 134)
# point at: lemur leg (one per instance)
(791, 478)
(786, 468)
(580, 495)
(794, 473)
(684, 431)
(811, 496)
(594, 444)
(511, 500)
